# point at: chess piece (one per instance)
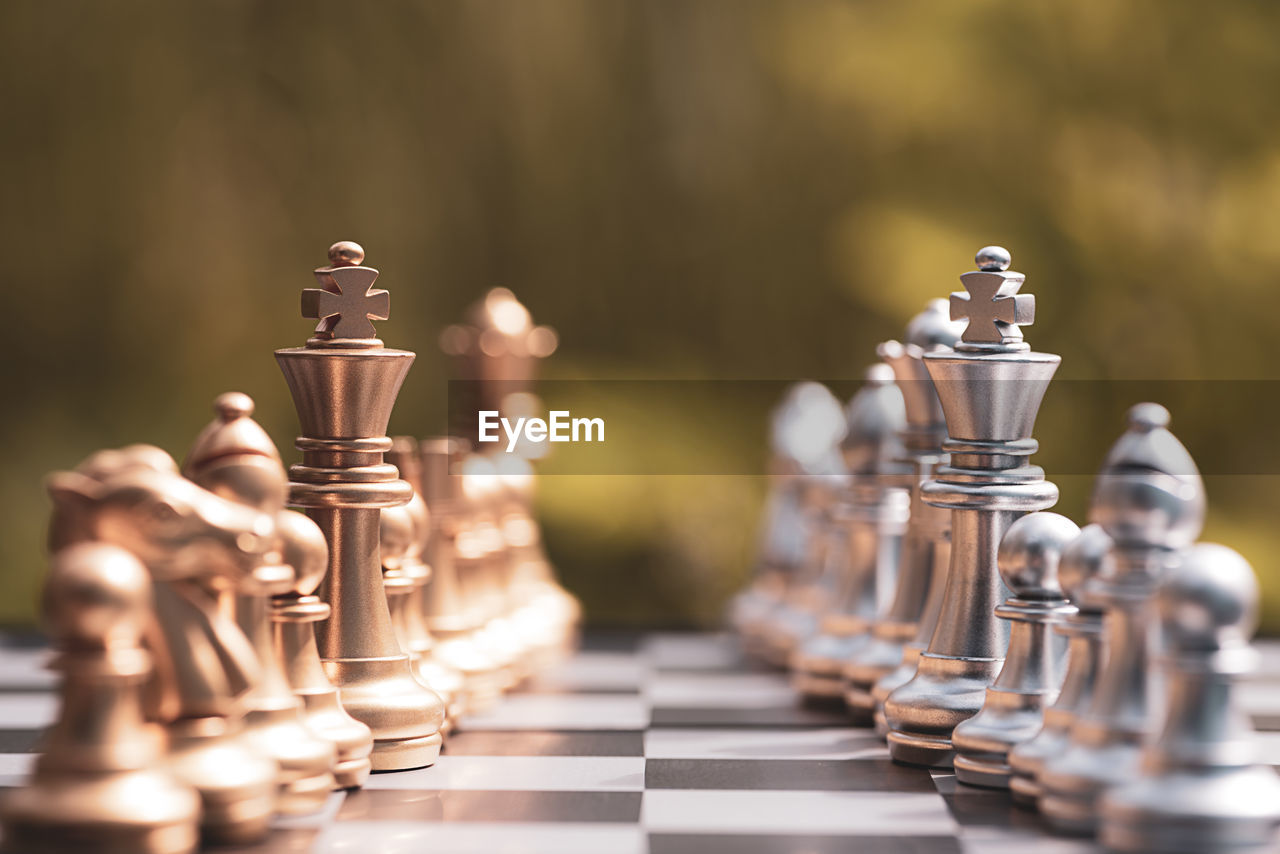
(483, 568)
(1032, 672)
(990, 389)
(444, 608)
(544, 616)
(1201, 787)
(812, 433)
(805, 410)
(101, 760)
(871, 515)
(192, 543)
(344, 384)
(495, 354)
(1082, 561)
(406, 563)
(881, 665)
(1150, 500)
(294, 615)
(233, 457)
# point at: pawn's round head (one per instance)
(1083, 560)
(933, 328)
(97, 597)
(346, 253)
(993, 259)
(1208, 600)
(1030, 553)
(395, 536)
(303, 547)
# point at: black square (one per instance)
(826, 775)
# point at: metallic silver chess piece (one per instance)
(812, 428)
(871, 515)
(101, 782)
(1083, 561)
(344, 384)
(233, 457)
(1032, 671)
(1201, 787)
(1150, 500)
(990, 388)
(785, 528)
(925, 543)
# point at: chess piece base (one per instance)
(1181, 813)
(1072, 784)
(100, 812)
(817, 668)
(403, 715)
(403, 754)
(877, 659)
(306, 761)
(890, 682)
(324, 715)
(984, 741)
(923, 713)
(237, 786)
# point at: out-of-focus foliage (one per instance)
(684, 188)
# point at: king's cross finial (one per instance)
(992, 304)
(346, 301)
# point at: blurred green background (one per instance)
(688, 189)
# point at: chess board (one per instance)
(665, 743)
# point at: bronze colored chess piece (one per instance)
(101, 760)
(444, 607)
(233, 457)
(194, 544)
(406, 612)
(545, 616)
(344, 384)
(294, 615)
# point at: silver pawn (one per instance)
(1150, 500)
(1032, 673)
(1200, 789)
(871, 516)
(1082, 561)
(902, 630)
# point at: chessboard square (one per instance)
(987, 840)
(719, 690)
(20, 740)
(847, 813)
(25, 710)
(702, 843)
(792, 715)
(708, 743)
(482, 838)
(466, 742)
(684, 651)
(591, 672)
(460, 805)
(873, 775)
(521, 773)
(25, 670)
(1268, 747)
(564, 712)
(15, 768)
